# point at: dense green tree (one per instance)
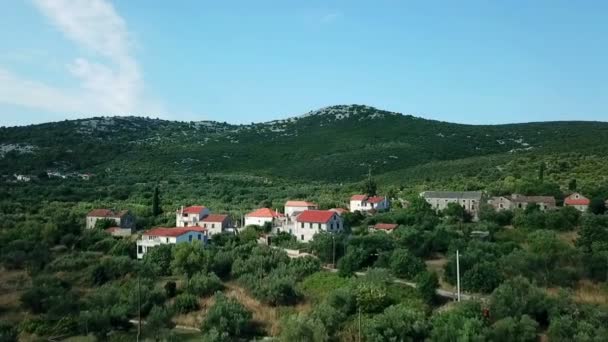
(185, 303)
(302, 328)
(462, 323)
(397, 323)
(405, 265)
(160, 258)
(597, 206)
(203, 285)
(156, 206)
(8, 333)
(159, 322)
(190, 258)
(227, 316)
(514, 329)
(516, 297)
(427, 284)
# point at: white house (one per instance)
(310, 222)
(261, 216)
(577, 201)
(123, 219)
(190, 216)
(439, 200)
(367, 203)
(295, 207)
(165, 236)
(215, 223)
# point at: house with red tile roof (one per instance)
(384, 227)
(310, 222)
(216, 223)
(122, 219)
(339, 211)
(190, 216)
(577, 201)
(292, 208)
(366, 203)
(169, 236)
(260, 216)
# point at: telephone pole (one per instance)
(458, 275)
(138, 308)
(333, 241)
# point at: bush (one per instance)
(514, 329)
(8, 333)
(204, 284)
(300, 328)
(227, 316)
(302, 267)
(406, 265)
(185, 303)
(427, 284)
(397, 323)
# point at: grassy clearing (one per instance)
(437, 266)
(318, 285)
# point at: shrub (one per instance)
(227, 316)
(185, 303)
(204, 284)
(406, 265)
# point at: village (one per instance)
(304, 219)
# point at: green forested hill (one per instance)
(332, 144)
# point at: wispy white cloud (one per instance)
(329, 18)
(109, 79)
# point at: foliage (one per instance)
(185, 303)
(190, 258)
(228, 317)
(427, 284)
(517, 297)
(160, 258)
(201, 284)
(514, 329)
(405, 265)
(302, 328)
(397, 323)
(8, 333)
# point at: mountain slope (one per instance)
(334, 144)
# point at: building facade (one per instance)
(190, 216)
(169, 236)
(516, 201)
(216, 223)
(262, 216)
(439, 200)
(578, 201)
(294, 207)
(311, 222)
(366, 203)
(122, 219)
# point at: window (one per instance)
(166, 240)
(189, 238)
(302, 237)
(139, 250)
(199, 236)
(213, 225)
(318, 226)
(302, 225)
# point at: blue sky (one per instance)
(249, 61)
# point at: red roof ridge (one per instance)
(316, 216)
(176, 231)
(214, 218)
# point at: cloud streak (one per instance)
(109, 80)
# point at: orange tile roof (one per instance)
(300, 204)
(264, 212)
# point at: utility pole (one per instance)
(138, 308)
(458, 275)
(359, 324)
(333, 241)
